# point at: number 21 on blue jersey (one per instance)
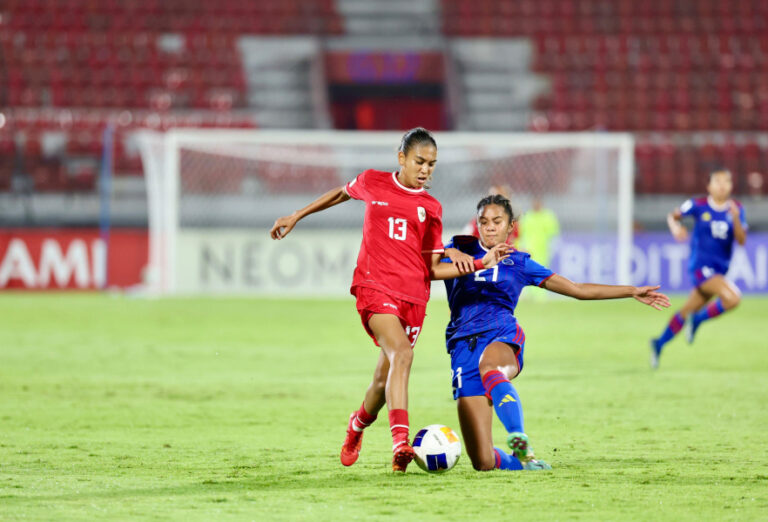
(494, 277)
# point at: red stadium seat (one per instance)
(623, 65)
(669, 54)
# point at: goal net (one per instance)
(214, 194)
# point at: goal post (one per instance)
(213, 195)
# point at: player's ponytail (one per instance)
(416, 136)
(497, 199)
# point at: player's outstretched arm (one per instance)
(649, 296)
(679, 232)
(590, 291)
(285, 224)
(438, 270)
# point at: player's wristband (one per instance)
(479, 264)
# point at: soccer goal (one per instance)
(214, 194)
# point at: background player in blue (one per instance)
(486, 343)
(718, 221)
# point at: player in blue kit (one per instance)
(719, 220)
(486, 343)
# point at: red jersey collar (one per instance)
(397, 182)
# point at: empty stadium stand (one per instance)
(690, 79)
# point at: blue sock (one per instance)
(709, 312)
(674, 326)
(505, 399)
(506, 461)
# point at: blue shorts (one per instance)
(465, 357)
(700, 273)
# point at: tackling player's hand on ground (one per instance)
(464, 262)
(496, 255)
(282, 226)
(648, 295)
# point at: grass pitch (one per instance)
(235, 409)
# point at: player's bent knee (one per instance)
(484, 369)
(509, 370)
(482, 461)
(730, 302)
(402, 357)
(484, 464)
(379, 383)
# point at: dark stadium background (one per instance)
(688, 79)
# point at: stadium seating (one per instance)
(667, 163)
(644, 66)
(655, 68)
(69, 68)
(636, 65)
(174, 16)
(60, 148)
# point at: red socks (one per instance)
(398, 425)
(362, 419)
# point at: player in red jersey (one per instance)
(400, 253)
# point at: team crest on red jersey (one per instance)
(422, 213)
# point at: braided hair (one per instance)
(498, 199)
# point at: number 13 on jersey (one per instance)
(398, 228)
(412, 333)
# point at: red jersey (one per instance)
(401, 224)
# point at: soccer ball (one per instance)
(437, 448)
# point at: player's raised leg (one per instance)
(498, 365)
(396, 346)
(728, 298)
(375, 399)
(696, 299)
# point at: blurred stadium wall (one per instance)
(688, 79)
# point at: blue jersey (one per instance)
(712, 237)
(486, 300)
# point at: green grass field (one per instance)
(235, 409)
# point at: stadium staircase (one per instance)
(393, 17)
(281, 76)
(498, 86)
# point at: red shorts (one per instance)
(371, 301)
